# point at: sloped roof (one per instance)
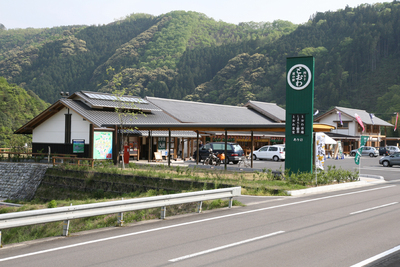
(98, 100)
(97, 116)
(271, 110)
(364, 115)
(198, 112)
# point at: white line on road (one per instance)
(377, 257)
(189, 223)
(374, 208)
(223, 247)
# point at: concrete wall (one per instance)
(19, 181)
(53, 129)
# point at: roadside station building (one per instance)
(96, 125)
(348, 130)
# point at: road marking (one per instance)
(189, 223)
(374, 208)
(377, 257)
(224, 247)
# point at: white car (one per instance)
(274, 152)
(392, 149)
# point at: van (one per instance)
(234, 151)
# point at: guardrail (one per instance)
(24, 218)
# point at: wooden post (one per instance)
(252, 148)
(226, 145)
(169, 147)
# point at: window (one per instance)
(273, 148)
(344, 126)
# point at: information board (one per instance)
(102, 145)
(78, 146)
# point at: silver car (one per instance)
(389, 161)
(367, 151)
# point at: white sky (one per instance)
(52, 13)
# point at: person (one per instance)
(200, 144)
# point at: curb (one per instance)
(366, 180)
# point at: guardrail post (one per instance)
(230, 202)
(1, 244)
(199, 206)
(65, 228)
(120, 219)
(163, 211)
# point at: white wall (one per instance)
(352, 130)
(53, 129)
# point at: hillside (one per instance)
(186, 55)
(17, 106)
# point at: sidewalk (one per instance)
(365, 180)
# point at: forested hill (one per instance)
(17, 106)
(186, 55)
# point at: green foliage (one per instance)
(52, 204)
(16, 108)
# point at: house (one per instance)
(348, 130)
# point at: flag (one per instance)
(340, 117)
(319, 150)
(316, 112)
(397, 117)
(372, 118)
(363, 140)
(360, 122)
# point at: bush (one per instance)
(52, 204)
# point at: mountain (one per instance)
(17, 106)
(186, 55)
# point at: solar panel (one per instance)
(115, 98)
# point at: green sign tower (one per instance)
(299, 114)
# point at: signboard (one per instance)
(162, 143)
(78, 146)
(299, 114)
(102, 145)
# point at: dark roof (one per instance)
(198, 112)
(98, 100)
(271, 110)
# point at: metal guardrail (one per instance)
(24, 218)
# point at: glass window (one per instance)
(273, 148)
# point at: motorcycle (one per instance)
(213, 158)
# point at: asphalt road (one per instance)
(336, 229)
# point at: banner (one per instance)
(360, 121)
(340, 117)
(397, 117)
(319, 150)
(363, 140)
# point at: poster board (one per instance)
(78, 146)
(102, 145)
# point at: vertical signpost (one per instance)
(299, 114)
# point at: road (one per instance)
(346, 228)
(335, 229)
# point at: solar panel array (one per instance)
(117, 98)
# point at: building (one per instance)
(97, 125)
(348, 130)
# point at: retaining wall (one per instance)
(19, 181)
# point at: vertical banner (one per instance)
(299, 114)
(319, 150)
(363, 140)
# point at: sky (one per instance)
(52, 13)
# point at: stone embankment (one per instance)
(20, 181)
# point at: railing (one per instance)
(24, 218)
(18, 156)
(77, 161)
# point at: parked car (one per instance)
(389, 161)
(392, 149)
(234, 151)
(367, 151)
(383, 151)
(274, 152)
